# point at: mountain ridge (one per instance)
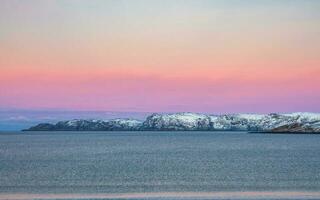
(187, 121)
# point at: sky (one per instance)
(160, 55)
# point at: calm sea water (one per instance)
(138, 162)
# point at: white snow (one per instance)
(251, 116)
(195, 121)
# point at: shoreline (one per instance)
(211, 195)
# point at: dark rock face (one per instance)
(296, 128)
(295, 122)
(43, 127)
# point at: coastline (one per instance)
(200, 131)
(283, 132)
(200, 195)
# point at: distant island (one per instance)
(274, 123)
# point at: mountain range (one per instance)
(275, 123)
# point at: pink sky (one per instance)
(160, 57)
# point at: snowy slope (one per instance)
(197, 122)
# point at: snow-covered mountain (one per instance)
(90, 125)
(295, 122)
(178, 121)
(229, 122)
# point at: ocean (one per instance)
(159, 165)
